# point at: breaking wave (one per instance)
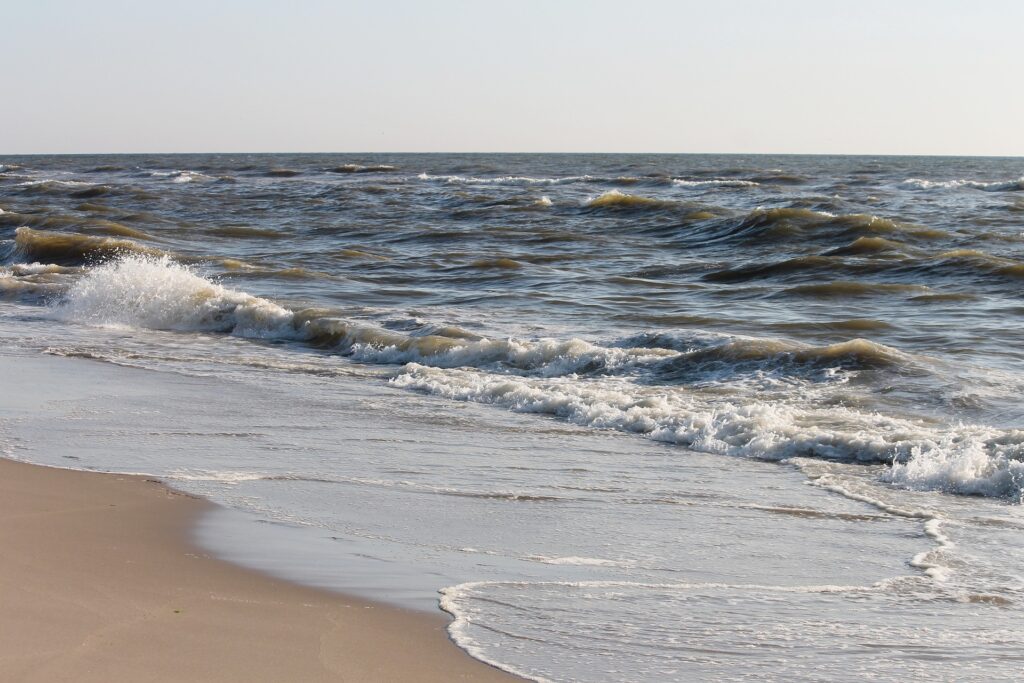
(161, 294)
(714, 182)
(971, 460)
(988, 186)
(357, 168)
(181, 176)
(157, 293)
(505, 180)
(648, 384)
(72, 249)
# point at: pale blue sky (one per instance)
(795, 76)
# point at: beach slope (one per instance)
(99, 582)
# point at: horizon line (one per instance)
(531, 153)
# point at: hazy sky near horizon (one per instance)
(791, 76)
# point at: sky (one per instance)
(740, 76)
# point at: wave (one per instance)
(356, 254)
(962, 459)
(506, 180)
(842, 289)
(35, 282)
(714, 182)
(496, 264)
(29, 287)
(105, 227)
(246, 232)
(944, 298)
(357, 168)
(157, 293)
(53, 182)
(182, 176)
(978, 461)
(652, 384)
(546, 357)
(764, 270)
(51, 186)
(749, 354)
(646, 628)
(59, 221)
(614, 199)
(957, 264)
(778, 177)
(281, 173)
(658, 359)
(73, 249)
(25, 269)
(77, 189)
(867, 246)
(769, 225)
(91, 192)
(988, 186)
(20, 289)
(973, 261)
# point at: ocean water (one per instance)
(624, 417)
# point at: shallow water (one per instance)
(638, 417)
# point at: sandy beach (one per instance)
(451, 341)
(99, 582)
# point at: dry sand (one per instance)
(99, 582)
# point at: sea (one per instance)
(622, 417)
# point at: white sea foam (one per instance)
(54, 181)
(181, 176)
(975, 461)
(544, 376)
(618, 199)
(36, 268)
(219, 476)
(715, 182)
(748, 427)
(149, 292)
(930, 561)
(360, 168)
(157, 293)
(504, 180)
(989, 186)
(933, 562)
(545, 357)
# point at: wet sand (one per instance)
(99, 582)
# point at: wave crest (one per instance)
(623, 386)
(505, 180)
(157, 293)
(614, 199)
(73, 249)
(961, 459)
(1016, 185)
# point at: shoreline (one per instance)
(101, 581)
